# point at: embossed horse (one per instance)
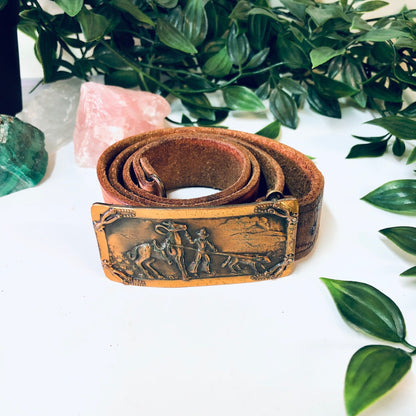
(170, 250)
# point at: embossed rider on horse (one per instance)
(170, 250)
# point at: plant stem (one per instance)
(410, 346)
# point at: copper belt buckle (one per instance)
(177, 247)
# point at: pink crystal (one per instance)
(107, 114)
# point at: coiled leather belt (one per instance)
(265, 213)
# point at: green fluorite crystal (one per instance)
(23, 158)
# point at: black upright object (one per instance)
(10, 83)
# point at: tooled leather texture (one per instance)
(244, 168)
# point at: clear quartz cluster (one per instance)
(52, 108)
(107, 114)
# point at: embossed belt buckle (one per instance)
(177, 247)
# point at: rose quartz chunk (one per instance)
(107, 114)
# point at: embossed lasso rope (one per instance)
(244, 168)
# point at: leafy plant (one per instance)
(246, 51)
(374, 369)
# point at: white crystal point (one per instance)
(107, 114)
(52, 108)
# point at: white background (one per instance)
(73, 343)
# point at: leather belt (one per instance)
(266, 211)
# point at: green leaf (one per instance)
(70, 7)
(371, 139)
(323, 105)
(352, 74)
(219, 116)
(172, 37)
(123, 78)
(65, 25)
(405, 43)
(133, 10)
(271, 131)
(175, 18)
(108, 57)
(404, 237)
(259, 31)
(381, 92)
(263, 91)
(296, 8)
(3, 3)
(412, 157)
(373, 371)
(335, 66)
(291, 54)
(241, 10)
(283, 108)
(383, 52)
(402, 127)
(323, 54)
(238, 47)
(373, 149)
(186, 120)
(368, 309)
(242, 99)
(196, 81)
(321, 15)
(46, 47)
(409, 111)
(258, 58)
(393, 107)
(360, 24)
(28, 26)
(74, 43)
(396, 196)
(298, 34)
(371, 5)
(398, 147)
(199, 106)
(382, 35)
(294, 87)
(81, 68)
(263, 12)
(332, 88)
(195, 24)
(409, 272)
(404, 76)
(218, 65)
(94, 26)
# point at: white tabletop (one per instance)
(74, 343)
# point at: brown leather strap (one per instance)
(244, 167)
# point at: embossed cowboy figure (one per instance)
(202, 258)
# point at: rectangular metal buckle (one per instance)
(177, 247)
